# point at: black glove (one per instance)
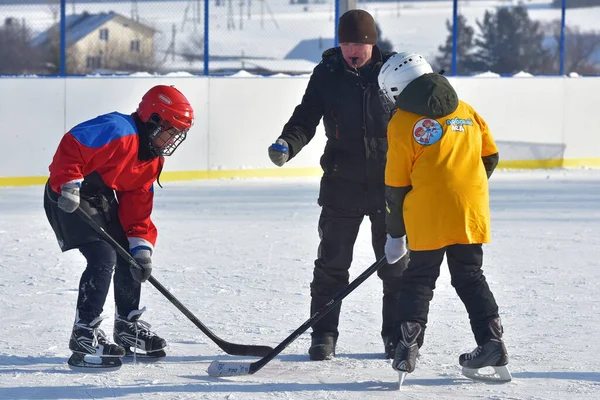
(279, 152)
(143, 256)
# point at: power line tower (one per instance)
(135, 11)
(230, 21)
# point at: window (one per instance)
(134, 46)
(93, 62)
(104, 34)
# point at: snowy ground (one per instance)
(239, 255)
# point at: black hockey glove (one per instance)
(143, 256)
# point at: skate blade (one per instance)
(499, 375)
(401, 378)
(146, 357)
(88, 363)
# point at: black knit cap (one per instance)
(357, 26)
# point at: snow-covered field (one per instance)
(239, 254)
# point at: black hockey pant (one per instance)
(465, 261)
(95, 282)
(338, 229)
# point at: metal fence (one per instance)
(216, 37)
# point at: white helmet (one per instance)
(397, 72)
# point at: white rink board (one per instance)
(237, 118)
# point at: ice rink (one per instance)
(239, 254)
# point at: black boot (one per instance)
(322, 346)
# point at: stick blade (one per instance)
(246, 350)
(220, 368)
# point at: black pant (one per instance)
(338, 229)
(465, 261)
(73, 232)
(95, 281)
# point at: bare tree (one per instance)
(580, 48)
(17, 56)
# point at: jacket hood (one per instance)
(430, 95)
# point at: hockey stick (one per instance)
(227, 347)
(225, 368)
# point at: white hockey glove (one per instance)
(395, 248)
(68, 200)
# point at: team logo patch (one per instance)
(458, 124)
(427, 131)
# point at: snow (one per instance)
(239, 255)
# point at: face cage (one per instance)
(387, 104)
(165, 139)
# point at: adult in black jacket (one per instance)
(343, 90)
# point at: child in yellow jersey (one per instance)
(439, 159)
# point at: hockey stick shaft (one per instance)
(227, 347)
(218, 368)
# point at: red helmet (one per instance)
(165, 109)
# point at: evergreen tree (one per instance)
(383, 44)
(510, 42)
(465, 62)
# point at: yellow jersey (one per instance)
(441, 159)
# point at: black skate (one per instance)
(407, 349)
(322, 346)
(91, 348)
(137, 339)
(492, 354)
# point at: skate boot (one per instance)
(389, 346)
(492, 354)
(135, 336)
(91, 348)
(322, 346)
(407, 349)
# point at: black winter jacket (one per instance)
(355, 123)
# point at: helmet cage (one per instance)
(386, 101)
(164, 138)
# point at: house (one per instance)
(310, 49)
(104, 41)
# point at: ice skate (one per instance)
(490, 356)
(407, 350)
(135, 337)
(91, 348)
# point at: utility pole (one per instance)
(346, 5)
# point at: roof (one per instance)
(80, 25)
(310, 49)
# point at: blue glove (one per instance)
(69, 197)
(279, 152)
(143, 256)
(395, 248)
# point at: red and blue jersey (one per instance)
(108, 145)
